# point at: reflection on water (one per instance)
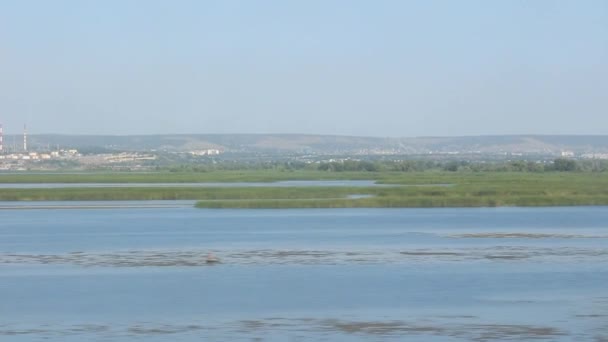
(140, 273)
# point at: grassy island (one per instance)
(449, 190)
(400, 189)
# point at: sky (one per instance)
(396, 68)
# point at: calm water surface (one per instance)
(136, 273)
(280, 184)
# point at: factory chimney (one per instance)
(24, 138)
(1, 139)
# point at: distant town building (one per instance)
(207, 152)
(567, 154)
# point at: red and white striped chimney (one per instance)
(24, 138)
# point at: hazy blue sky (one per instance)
(380, 68)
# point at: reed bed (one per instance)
(440, 189)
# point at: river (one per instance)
(139, 273)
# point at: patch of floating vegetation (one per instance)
(308, 326)
(430, 253)
(378, 328)
(48, 331)
(198, 258)
(526, 236)
(394, 328)
(506, 257)
(164, 329)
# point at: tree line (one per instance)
(557, 165)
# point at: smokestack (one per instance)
(1, 139)
(24, 138)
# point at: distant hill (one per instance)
(326, 144)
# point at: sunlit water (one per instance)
(139, 273)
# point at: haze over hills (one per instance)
(326, 144)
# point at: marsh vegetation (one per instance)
(466, 189)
